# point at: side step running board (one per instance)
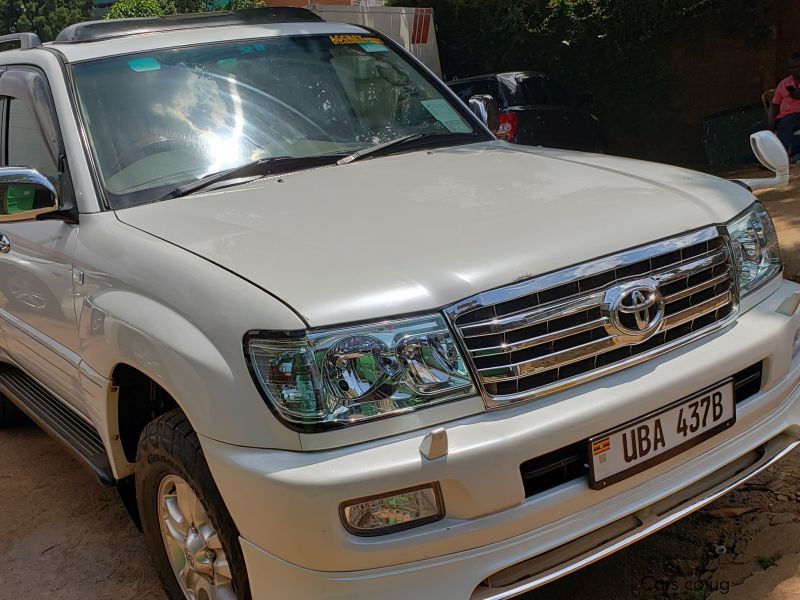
(57, 420)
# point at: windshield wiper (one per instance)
(385, 147)
(262, 167)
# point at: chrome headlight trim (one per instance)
(754, 245)
(322, 379)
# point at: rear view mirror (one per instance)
(771, 153)
(485, 107)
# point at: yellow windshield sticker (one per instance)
(342, 39)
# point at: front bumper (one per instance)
(286, 504)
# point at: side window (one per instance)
(533, 90)
(26, 146)
(20, 199)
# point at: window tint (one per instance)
(468, 89)
(26, 146)
(533, 90)
(557, 94)
(542, 91)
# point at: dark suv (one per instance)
(537, 111)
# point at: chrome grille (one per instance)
(544, 334)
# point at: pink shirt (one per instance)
(782, 98)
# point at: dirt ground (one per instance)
(63, 537)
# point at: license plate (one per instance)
(649, 440)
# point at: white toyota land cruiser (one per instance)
(330, 339)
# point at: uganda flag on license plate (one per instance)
(601, 446)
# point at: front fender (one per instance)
(180, 320)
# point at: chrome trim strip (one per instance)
(698, 310)
(698, 288)
(93, 375)
(594, 348)
(593, 267)
(679, 269)
(687, 269)
(568, 306)
(46, 342)
(533, 316)
(545, 363)
(542, 339)
(498, 401)
(630, 538)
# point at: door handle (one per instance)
(5, 244)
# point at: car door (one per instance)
(37, 313)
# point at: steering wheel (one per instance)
(155, 143)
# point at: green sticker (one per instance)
(227, 63)
(141, 65)
(446, 115)
(374, 47)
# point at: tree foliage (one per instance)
(47, 17)
(137, 8)
(618, 49)
(43, 17)
(156, 8)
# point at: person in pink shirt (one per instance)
(784, 112)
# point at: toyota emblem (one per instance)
(636, 310)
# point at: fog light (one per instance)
(796, 344)
(403, 509)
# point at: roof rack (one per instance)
(92, 31)
(26, 40)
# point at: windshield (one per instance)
(164, 118)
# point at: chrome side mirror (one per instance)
(25, 194)
(485, 107)
(771, 153)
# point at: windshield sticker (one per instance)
(141, 65)
(252, 49)
(227, 63)
(446, 115)
(343, 39)
(374, 47)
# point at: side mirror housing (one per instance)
(485, 107)
(585, 102)
(771, 153)
(25, 194)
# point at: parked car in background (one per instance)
(536, 110)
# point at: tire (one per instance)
(170, 467)
(9, 413)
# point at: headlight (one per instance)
(755, 248)
(321, 379)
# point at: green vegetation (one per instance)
(156, 8)
(47, 17)
(137, 8)
(43, 17)
(620, 50)
(765, 562)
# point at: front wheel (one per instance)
(188, 531)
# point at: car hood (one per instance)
(419, 231)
